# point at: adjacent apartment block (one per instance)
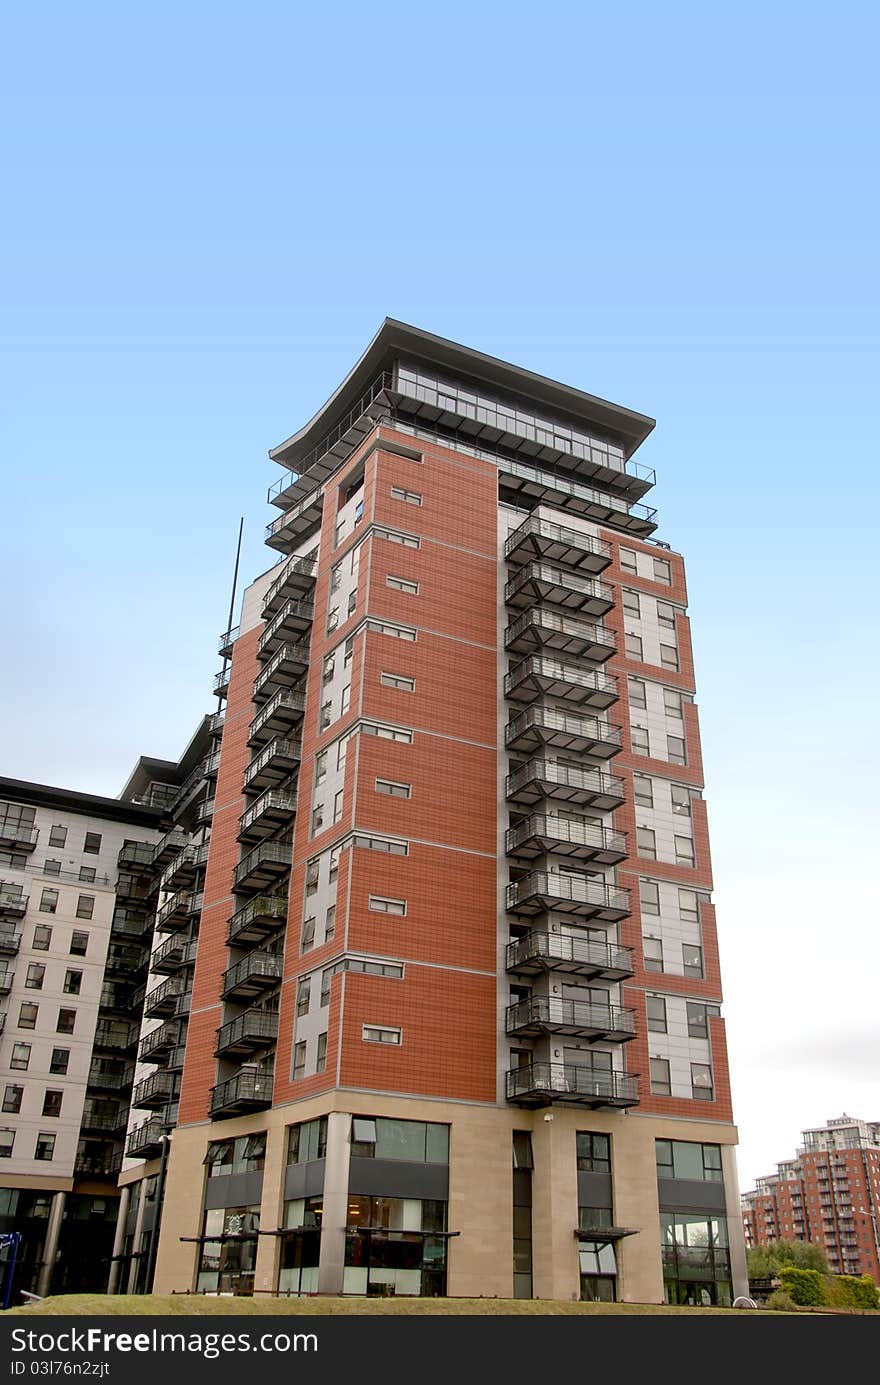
(828, 1195)
(454, 1018)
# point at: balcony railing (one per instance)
(541, 629)
(283, 710)
(145, 1140)
(162, 999)
(523, 484)
(227, 640)
(275, 762)
(159, 1043)
(538, 834)
(274, 807)
(13, 904)
(566, 953)
(538, 779)
(247, 1091)
(538, 582)
(286, 667)
(103, 1165)
(184, 866)
(16, 837)
(110, 1081)
(579, 1019)
(169, 846)
(267, 862)
(257, 972)
(135, 854)
(257, 920)
(286, 531)
(539, 676)
(154, 1091)
(545, 726)
(115, 1036)
(6, 979)
(221, 681)
(297, 575)
(543, 890)
(253, 1030)
(10, 942)
(294, 618)
(547, 541)
(538, 1084)
(169, 957)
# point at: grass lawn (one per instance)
(197, 1305)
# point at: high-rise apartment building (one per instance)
(829, 1194)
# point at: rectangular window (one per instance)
(380, 905)
(59, 1061)
(328, 668)
(397, 632)
(394, 536)
(684, 851)
(646, 841)
(675, 750)
(326, 716)
(320, 766)
(358, 512)
(649, 896)
(330, 924)
(697, 1023)
(87, 874)
(66, 1021)
(656, 1014)
(692, 959)
(85, 908)
(681, 800)
(628, 561)
(702, 1088)
(42, 937)
(333, 868)
(637, 692)
(335, 577)
(299, 1060)
(20, 1057)
(337, 805)
(392, 848)
(48, 901)
(35, 976)
(638, 736)
(379, 1034)
(52, 1102)
(92, 843)
(633, 646)
(672, 703)
(321, 1058)
(666, 615)
(332, 619)
(398, 681)
(27, 1015)
(348, 651)
(312, 871)
(58, 836)
(669, 656)
(7, 1140)
(45, 1147)
(303, 995)
(652, 951)
(392, 789)
(660, 1085)
(687, 906)
(72, 982)
(51, 867)
(643, 791)
(410, 497)
(351, 605)
(79, 942)
(345, 700)
(593, 1152)
(631, 604)
(388, 733)
(317, 818)
(402, 584)
(307, 937)
(662, 571)
(12, 1100)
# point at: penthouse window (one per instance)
(381, 1137)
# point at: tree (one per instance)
(765, 1262)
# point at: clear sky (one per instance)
(208, 210)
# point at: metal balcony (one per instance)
(277, 716)
(292, 621)
(536, 583)
(159, 1044)
(115, 1036)
(296, 578)
(128, 964)
(275, 763)
(539, 834)
(227, 640)
(168, 958)
(211, 765)
(131, 923)
(267, 862)
(103, 1117)
(284, 669)
(289, 529)
(221, 681)
(540, 779)
(10, 942)
(134, 854)
(170, 845)
(183, 868)
(110, 1081)
(6, 979)
(154, 1092)
(173, 911)
(135, 887)
(541, 629)
(247, 1091)
(258, 919)
(543, 951)
(103, 1165)
(14, 837)
(540, 676)
(13, 904)
(549, 542)
(540, 727)
(271, 810)
(579, 1019)
(529, 486)
(204, 811)
(161, 1002)
(543, 890)
(540, 1084)
(253, 1030)
(145, 1141)
(255, 973)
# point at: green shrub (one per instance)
(805, 1287)
(851, 1291)
(781, 1302)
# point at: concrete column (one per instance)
(335, 1214)
(50, 1246)
(118, 1240)
(136, 1241)
(271, 1210)
(736, 1236)
(554, 1209)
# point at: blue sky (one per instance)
(208, 211)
